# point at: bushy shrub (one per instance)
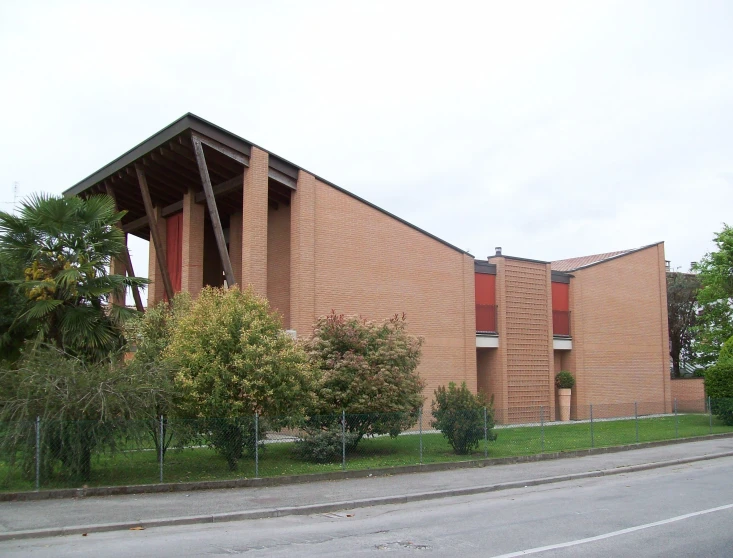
(324, 446)
(367, 369)
(719, 384)
(564, 380)
(459, 415)
(233, 359)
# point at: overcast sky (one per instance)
(552, 129)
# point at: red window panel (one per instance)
(561, 297)
(485, 288)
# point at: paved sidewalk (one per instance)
(55, 517)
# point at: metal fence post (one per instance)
(636, 420)
(420, 435)
(486, 433)
(257, 445)
(161, 441)
(710, 413)
(38, 453)
(542, 428)
(592, 441)
(343, 439)
(676, 421)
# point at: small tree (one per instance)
(83, 406)
(233, 360)
(459, 415)
(682, 289)
(148, 336)
(719, 384)
(714, 323)
(367, 370)
(64, 246)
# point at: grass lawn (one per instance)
(202, 463)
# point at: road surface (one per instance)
(685, 510)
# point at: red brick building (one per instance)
(217, 208)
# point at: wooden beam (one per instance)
(282, 178)
(126, 257)
(135, 225)
(228, 151)
(213, 211)
(231, 185)
(157, 241)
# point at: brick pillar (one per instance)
(235, 245)
(156, 290)
(192, 256)
(303, 255)
(664, 327)
(501, 399)
(470, 373)
(117, 267)
(254, 217)
(575, 359)
(550, 345)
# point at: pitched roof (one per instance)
(280, 169)
(573, 264)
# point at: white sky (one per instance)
(552, 129)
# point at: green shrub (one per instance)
(324, 446)
(564, 380)
(719, 387)
(459, 415)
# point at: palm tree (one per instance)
(65, 246)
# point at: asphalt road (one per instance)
(685, 510)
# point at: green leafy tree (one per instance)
(459, 415)
(682, 290)
(65, 246)
(715, 321)
(233, 359)
(148, 336)
(719, 384)
(368, 370)
(84, 406)
(12, 304)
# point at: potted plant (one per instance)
(564, 382)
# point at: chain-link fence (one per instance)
(45, 454)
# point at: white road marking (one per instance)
(613, 533)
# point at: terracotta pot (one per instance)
(563, 395)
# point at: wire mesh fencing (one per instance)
(45, 454)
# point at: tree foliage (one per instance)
(719, 384)
(715, 321)
(682, 290)
(82, 406)
(368, 370)
(459, 415)
(64, 246)
(232, 360)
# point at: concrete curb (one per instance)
(335, 475)
(347, 504)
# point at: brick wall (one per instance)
(254, 222)
(689, 393)
(192, 253)
(528, 339)
(619, 330)
(351, 258)
(278, 261)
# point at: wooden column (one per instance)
(213, 212)
(157, 241)
(126, 260)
